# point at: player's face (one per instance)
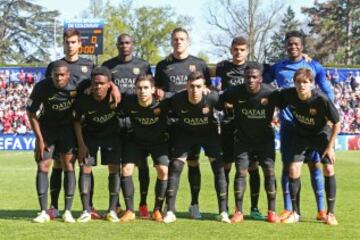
(124, 46)
(303, 87)
(239, 53)
(100, 85)
(60, 77)
(195, 89)
(144, 91)
(253, 80)
(294, 47)
(180, 42)
(72, 45)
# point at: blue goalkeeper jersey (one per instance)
(283, 72)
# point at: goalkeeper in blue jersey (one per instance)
(282, 73)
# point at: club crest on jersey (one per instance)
(312, 111)
(205, 110)
(136, 71)
(264, 101)
(73, 93)
(84, 69)
(192, 68)
(157, 111)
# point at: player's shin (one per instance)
(69, 184)
(176, 167)
(42, 185)
(85, 186)
(217, 167)
(114, 187)
(127, 186)
(160, 191)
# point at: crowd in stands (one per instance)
(16, 86)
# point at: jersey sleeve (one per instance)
(269, 73)
(159, 76)
(331, 112)
(321, 81)
(35, 100)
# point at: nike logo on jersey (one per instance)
(52, 98)
(241, 101)
(184, 111)
(91, 112)
(132, 111)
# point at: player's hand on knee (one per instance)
(330, 153)
(83, 152)
(39, 149)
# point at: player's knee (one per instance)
(127, 170)
(113, 169)
(193, 163)
(44, 166)
(294, 170)
(227, 166)
(269, 170)
(328, 170)
(313, 166)
(162, 172)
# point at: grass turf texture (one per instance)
(18, 205)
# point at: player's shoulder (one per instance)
(110, 63)
(85, 61)
(223, 64)
(141, 61)
(196, 59)
(268, 87)
(318, 94)
(44, 84)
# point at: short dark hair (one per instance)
(296, 34)
(145, 77)
(59, 64)
(254, 66)
(195, 75)
(71, 32)
(101, 70)
(179, 29)
(121, 36)
(238, 41)
(303, 73)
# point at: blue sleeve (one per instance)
(321, 81)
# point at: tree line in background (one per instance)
(332, 29)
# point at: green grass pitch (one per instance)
(18, 205)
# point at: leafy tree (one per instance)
(150, 28)
(276, 50)
(251, 19)
(26, 31)
(335, 25)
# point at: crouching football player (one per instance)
(313, 112)
(96, 127)
(196, 126)
(149, 137)
(53, 129)
(253, 104)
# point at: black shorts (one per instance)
(305, 146)
(246, 152)
(110, 149)
(227, 141)
(61, 138)
(136, 153)
(184, 141)
(194, 151)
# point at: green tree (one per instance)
(26, 31)
(253, 19)
(335, 25)
(276, 50)
(150, 28)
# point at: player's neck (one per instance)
(180, 56)
(72, 58)
(145, 103)
(296, 59)
(194, 101)
(99, 98)
(236, 62)
(305, 96)
(127, 58)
